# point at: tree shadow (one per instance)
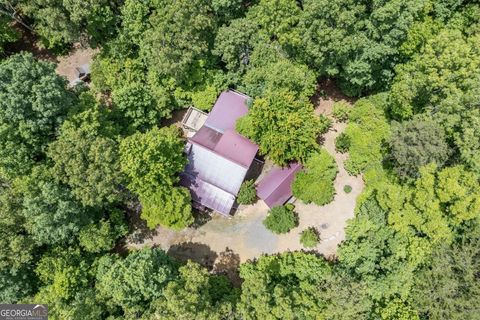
(138, 230)
(197, 252)
(228, 263)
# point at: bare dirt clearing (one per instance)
(76, 58)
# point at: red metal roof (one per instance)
(229, 107)
(276, 188)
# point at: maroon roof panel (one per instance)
(229, 107)
(208, 194)
(236, 148)
(206, 137)
(276, 188)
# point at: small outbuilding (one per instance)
(276, 188)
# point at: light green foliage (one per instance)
(356, 41)
(169, 207)
(416, 143)
(281, 219)
(309, 238)
(133, 282)
(439, 202)
(315, 182)
(247, 193)
(85, 157)
(103, 235)
(283, 74)
(52, 215)
(468, 140)
(33, 103)
(60, 23)
(341, 110)
(7, 33)
(342, 143)
(282, 286)
(367, 131)
(151, 160)
(63, 274)
(194, 295)
(448, 287)
(284, 127)
(205, 99)
(446, 67)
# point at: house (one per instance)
(218, 157)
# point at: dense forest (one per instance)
(75, 160)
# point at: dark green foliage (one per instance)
(283, 286)
(347, 188)
(33, 103)
(416, 143)
(85, 157)
(7, 33)
(342, 143)
(449, 286)
(61, 23)
(195, 295)
(247, 193)
(133, 282)
(356, 41)
(52, 215)
(309, 238)
(281, 219)
(315, 182)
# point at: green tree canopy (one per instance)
(85, 157)
(133, 282)
(315, 182)
(284, 126)
(33, 103)
(60, 23)
(194, 295)
(416, 143)
(152, 159)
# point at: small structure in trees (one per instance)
(276, 188)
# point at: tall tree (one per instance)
(85, 157)
(34, 101)
(283, 125)
(416, 143)
(133, 282)
(195, 295)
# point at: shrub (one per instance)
(247, 193)
(347, 188)
(341, 111)
(315, 182)
(342, 143)
(309, 238)
(280, 220)
(325, 124)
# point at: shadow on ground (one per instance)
(197, 252)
